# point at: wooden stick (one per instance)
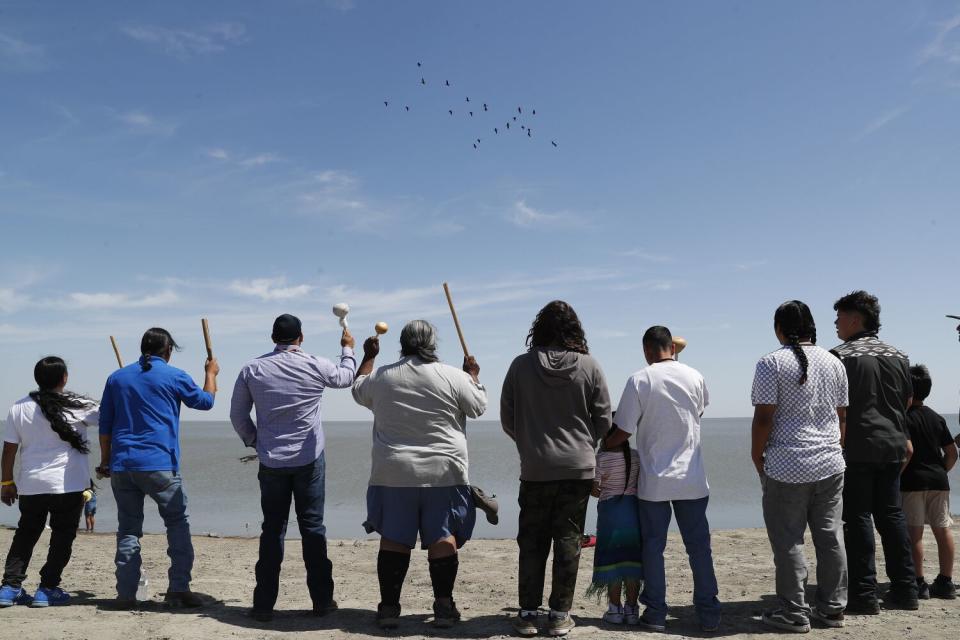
(456, 321)
(116, 351)
(206, 337)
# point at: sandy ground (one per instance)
(486, 594)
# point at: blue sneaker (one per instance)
(50, 597)
(10, 596)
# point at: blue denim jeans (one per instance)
(166, 489)
(305, 485)
(695, 531)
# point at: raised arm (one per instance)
(341, 375)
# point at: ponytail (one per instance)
(155, 342)
(795, 322)
(55, 406)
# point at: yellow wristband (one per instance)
(7, 483)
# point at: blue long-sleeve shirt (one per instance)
(140, 411)
(286, 386)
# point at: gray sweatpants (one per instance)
(787, 510)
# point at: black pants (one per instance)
(551, 514)
(871, 496)
(64, 510)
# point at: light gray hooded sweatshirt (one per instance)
(556, 407)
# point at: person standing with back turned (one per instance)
(286, 387)
(877, 448)
(140, 453)
(556, 407)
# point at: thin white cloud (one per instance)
(100, 300)
(645, 256)
(750, 265)
(186, 43)
(218, 154)
(143, 123)
(18, 55)
(523, 215)
(336, 194)
(882, 121)
(259, 160)
(269, 289)
(12, 300)
(945, 46)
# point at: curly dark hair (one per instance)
(56, 406)
(863, 303)
(557, 325)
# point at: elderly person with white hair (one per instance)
(418, 478)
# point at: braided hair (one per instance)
(795, 322)
(56, 406)
(155, 342)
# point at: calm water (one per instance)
(224, 494)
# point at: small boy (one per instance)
(925, 489)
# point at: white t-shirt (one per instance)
(419, 422)
(662, 405)
(47, 463)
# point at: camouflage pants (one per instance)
(551, 513)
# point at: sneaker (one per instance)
(10, 596)
(182, 600)
(923, 589)
(780, 619)
(50, 597)
(905, 603)
(648, 625)
(631, 614)
(445, 614)
(863, 608)
(943, 587)
(559, 623)
(261, 615)
(388, 616)
(325, 609)
(831, 620)
(525, 624)
(614, 614)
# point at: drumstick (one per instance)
(456, 321)
(116, 351)
(206, 337)
(679, 344)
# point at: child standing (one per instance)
(90, 506)
(617, 560)
(925, 489)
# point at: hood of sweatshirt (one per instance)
(557, 367)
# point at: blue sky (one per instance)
(234, 160)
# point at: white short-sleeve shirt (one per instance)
(47, 463)
(804, 445)
(662, 405)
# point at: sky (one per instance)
(163, 162)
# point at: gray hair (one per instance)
(419, 338)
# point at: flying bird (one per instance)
(484, 106)
(553, 143)
(418, 64)
(468, 98)
(386, 104)
(528, 133)
(474, 146)
(522, 127)
(495, 130)
(508, 125)
(471, 114)
(534, 112)
(446, 82)
(478, 140)
(422, 81)
(519, 110)
(514, 118)
(450, 111)
(407, 108)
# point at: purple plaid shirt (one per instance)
(286, 386)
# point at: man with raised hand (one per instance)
(286, 387)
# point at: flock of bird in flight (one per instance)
(471, 106)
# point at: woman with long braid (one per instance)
(800, 399)
(48, 428)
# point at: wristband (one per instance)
(7, 483)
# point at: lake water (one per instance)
(224, 494)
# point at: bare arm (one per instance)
(371, 348)
(8, 493)
(842, 414)
(616, 438)
(950, 456)
(760, 433)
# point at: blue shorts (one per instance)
(399, 513)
